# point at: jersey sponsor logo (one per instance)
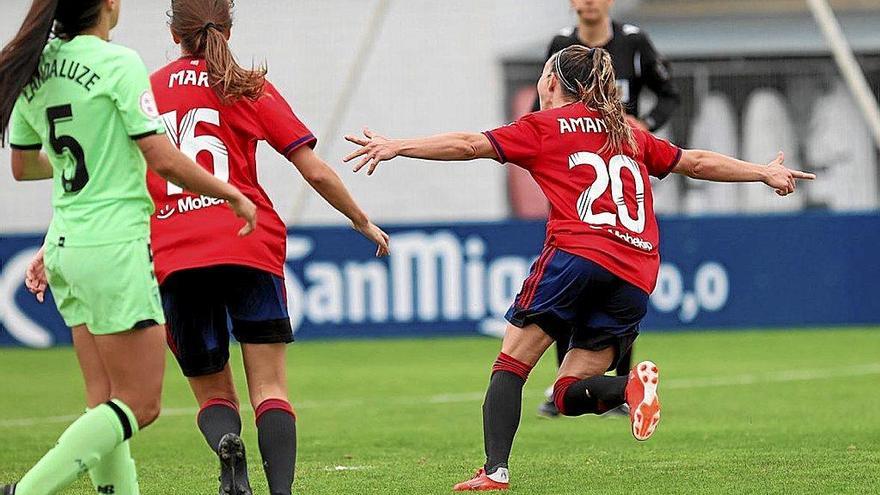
(632, 240)
(187, 204)
(629, 29)
(148, 105)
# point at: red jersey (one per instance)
(601, 205)
(191, 231)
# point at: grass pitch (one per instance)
(744, 412)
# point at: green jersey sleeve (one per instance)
(22, 135)
(133, 96)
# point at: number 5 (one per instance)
(63, 113)
(606, 174)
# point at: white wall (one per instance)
(435, 68)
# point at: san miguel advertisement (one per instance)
(737, 272)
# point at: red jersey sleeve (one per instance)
(281, 127)
(659, 155)
(518, 143)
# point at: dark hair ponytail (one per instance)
(588, 75)
(203, 27)
(20, 58)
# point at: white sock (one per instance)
(500, 476)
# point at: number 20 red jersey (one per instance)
(191, 231)
(601, 205)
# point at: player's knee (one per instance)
(148, 414)
(511, 365)
(560, 388)
(146, 410)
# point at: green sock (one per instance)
(91, 437)
(115, 472)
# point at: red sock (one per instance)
(512, 365)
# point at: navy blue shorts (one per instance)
(201, 303)
(580, 304)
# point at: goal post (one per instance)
(350, 84)
(849, 67)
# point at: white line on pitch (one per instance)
(455, 398)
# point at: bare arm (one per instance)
(30, 165)
(711, 166)
(454, 146)
(327, 183)
(167, 161)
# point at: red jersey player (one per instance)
(217, 112)
(600, 260)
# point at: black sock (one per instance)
(276, 430)
(501, 414)
(625, 363)
(218, 417)
(595, 394)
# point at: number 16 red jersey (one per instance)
(601, 205)
(191, 231)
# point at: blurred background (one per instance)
(754, 77)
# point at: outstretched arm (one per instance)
(327, 183)
(454, 146)
(708, 165)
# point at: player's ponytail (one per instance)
(203, 28)
(20, 58)
(588, 75)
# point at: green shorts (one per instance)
(110, 288)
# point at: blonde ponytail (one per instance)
(603, 96)
(588, 74)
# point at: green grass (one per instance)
(791, 412)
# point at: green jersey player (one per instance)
(81, 113)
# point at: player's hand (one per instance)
(376, 235)
(374, 150)
(245, 209)
(35, 277)
(782, 179)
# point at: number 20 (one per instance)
(605, 174)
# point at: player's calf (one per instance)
(276, 432)
(593, 395)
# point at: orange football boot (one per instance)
(641, 396)
(482, 482)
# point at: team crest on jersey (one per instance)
(148, 105)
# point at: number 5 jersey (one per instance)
(191, 231)
(87, 104)
(601, 205)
